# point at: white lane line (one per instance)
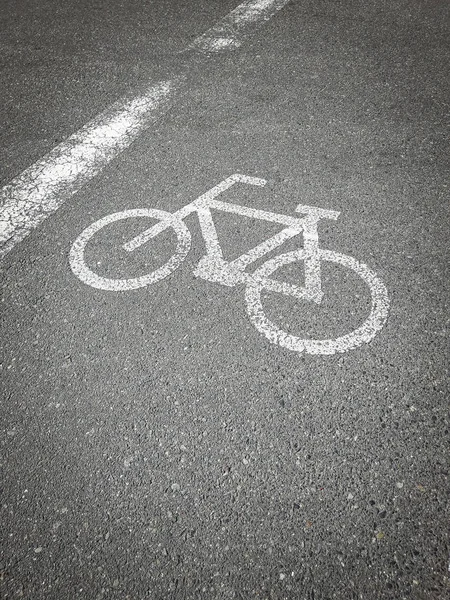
(41, 189)
(231, 31)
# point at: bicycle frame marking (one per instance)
(214, 268)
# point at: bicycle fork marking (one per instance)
(214, 268)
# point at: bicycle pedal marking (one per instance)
(214, 268)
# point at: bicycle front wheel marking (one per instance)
(364, 334)
(83, 272)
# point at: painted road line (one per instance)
(42, 188)
(47, 184)
(231, 31)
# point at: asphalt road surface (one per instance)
(181, 440)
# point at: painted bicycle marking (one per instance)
(214, 268)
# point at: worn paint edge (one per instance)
(231, 31)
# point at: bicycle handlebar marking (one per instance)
(214, 268)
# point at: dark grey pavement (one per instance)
(154, 443)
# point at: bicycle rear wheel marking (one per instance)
(363, 334)
(82, 271)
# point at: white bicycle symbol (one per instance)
(213, 267)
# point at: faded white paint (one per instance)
(42, 188)
(214, 268)
(231, 31)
